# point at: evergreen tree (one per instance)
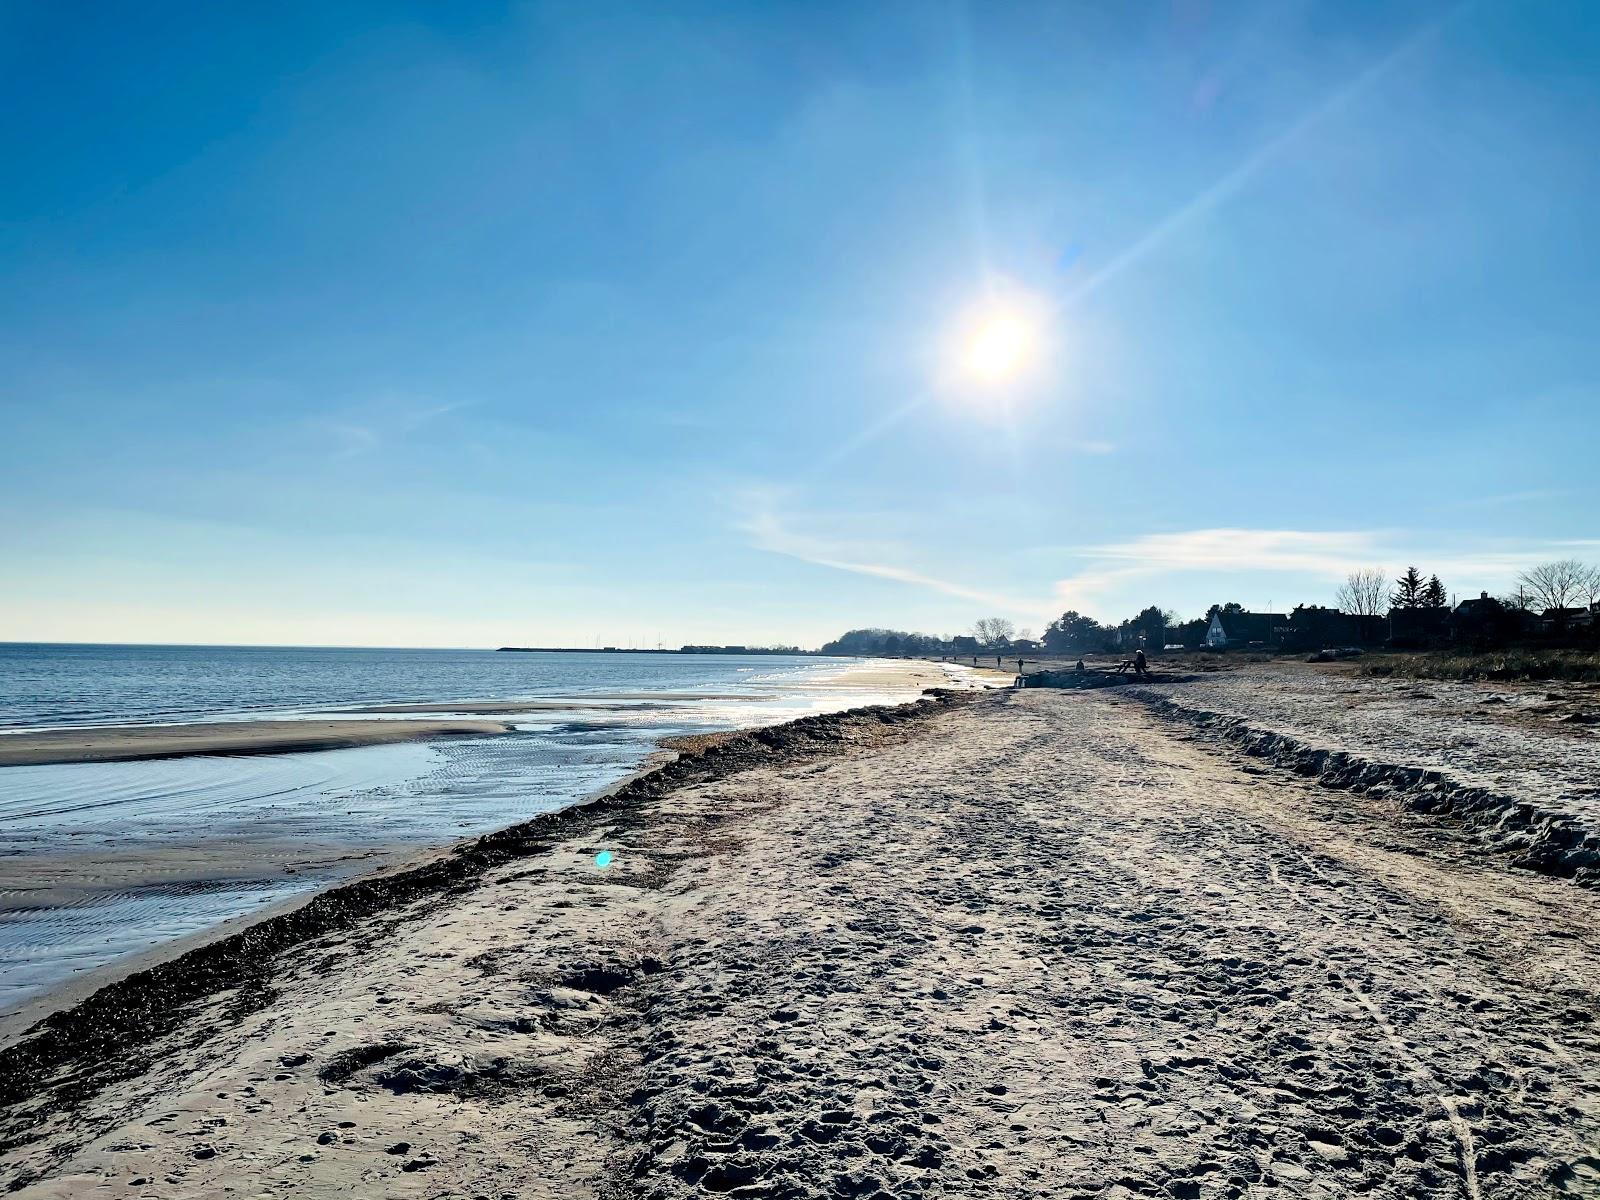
(1433, 593)
(1408, 590)
(1072, 631)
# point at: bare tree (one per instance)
(1560, 584)
(1364, 593)
(993, 631)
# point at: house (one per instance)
(1235, 629)
(1559, 622)
(1483, 621)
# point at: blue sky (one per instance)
(469, 324)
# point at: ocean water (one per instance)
(103, 860)
(56, 685)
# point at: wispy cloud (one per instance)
(1108, 568)
(366, 427)
(1327, 555)
(1286, 550)
(767, 531)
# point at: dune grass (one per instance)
(1496, 665)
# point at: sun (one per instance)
(998, 347)
(997, 344)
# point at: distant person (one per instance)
(1141, 665)
(1080, 666)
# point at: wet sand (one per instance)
(129, 743)
(1027, 944)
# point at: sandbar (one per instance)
(126, 743)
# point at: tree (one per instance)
(993, 631)
(1363, 592)
(1232, 606)
(1433, 594)
(1407, 590)
(870, 643)
(1151, 627)
(1072, 631)
(1561, 584)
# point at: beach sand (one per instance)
(1025, 944)
(127, 743)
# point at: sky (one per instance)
(486, 323)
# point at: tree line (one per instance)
(1561, 585)
(1368, 593)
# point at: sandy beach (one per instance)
(1024, 944)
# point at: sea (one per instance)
(103, 861)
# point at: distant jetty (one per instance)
(791, 651)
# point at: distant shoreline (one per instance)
(725, 650)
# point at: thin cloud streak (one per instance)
(1326, 555)
(768, 533)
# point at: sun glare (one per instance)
(998, 348)
(997, 345)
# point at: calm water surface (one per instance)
(54, 685)
(102, 860)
